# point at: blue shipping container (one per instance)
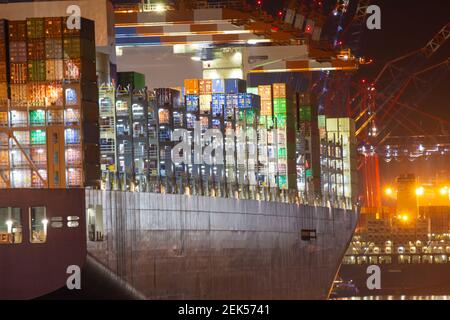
(249, 101)
(218, 104)
(231, 105)
(233, 86)
(192, 103)
(218, 86)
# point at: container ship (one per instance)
(87, 172)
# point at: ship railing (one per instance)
(183, 183)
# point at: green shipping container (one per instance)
(322, 121)
(279, 106)
(263, 121)
(305, 114)
(37, 137)
(35, 28)
(36, 70)
(280, 121)
(282, 182)
(282, 153)
(37, 118)
(74, 48)
(137, 80)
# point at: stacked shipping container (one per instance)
(52, 123)
(342, 177)
(285, 125)
(308, 145)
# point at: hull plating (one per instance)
(179, 247)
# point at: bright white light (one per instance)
(196, 58)
(256, 41)
(9, 224)
(159, 7)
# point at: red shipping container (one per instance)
(18, 51)
(18, 73)
(3, 74)
(36, 49)
(53, 27)
(2, 52)
(17, 30)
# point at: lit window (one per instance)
(10, 226)
(38, 225)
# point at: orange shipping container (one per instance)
(279, 90)
(54, 95)
(3, 91)
(19, 95)
(191, 86)
(266, 108)
(54, 69)
(205, 86)
(3, 119)
(265, 92)
(36, 94)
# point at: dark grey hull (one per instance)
(181, 247)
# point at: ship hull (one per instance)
(181, 247)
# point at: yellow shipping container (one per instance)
(279, 90)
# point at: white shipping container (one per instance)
(22, 137)
(21, 178)
(205, 103)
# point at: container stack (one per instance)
(341, 135)
(249, 107)
(192, 107)
(218, 106)
(4, 95)
(107, 102)
(131, 86)
(81, 119)
(285, 125)
(124, 136)
(166, 102)
(53, 94)
(153, 143)
(265, 127)
(230, 152)
(308, 146)
(139, 117)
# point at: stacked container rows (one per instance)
(52, 117)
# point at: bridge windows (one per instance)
(38, 225)
(10, 226)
